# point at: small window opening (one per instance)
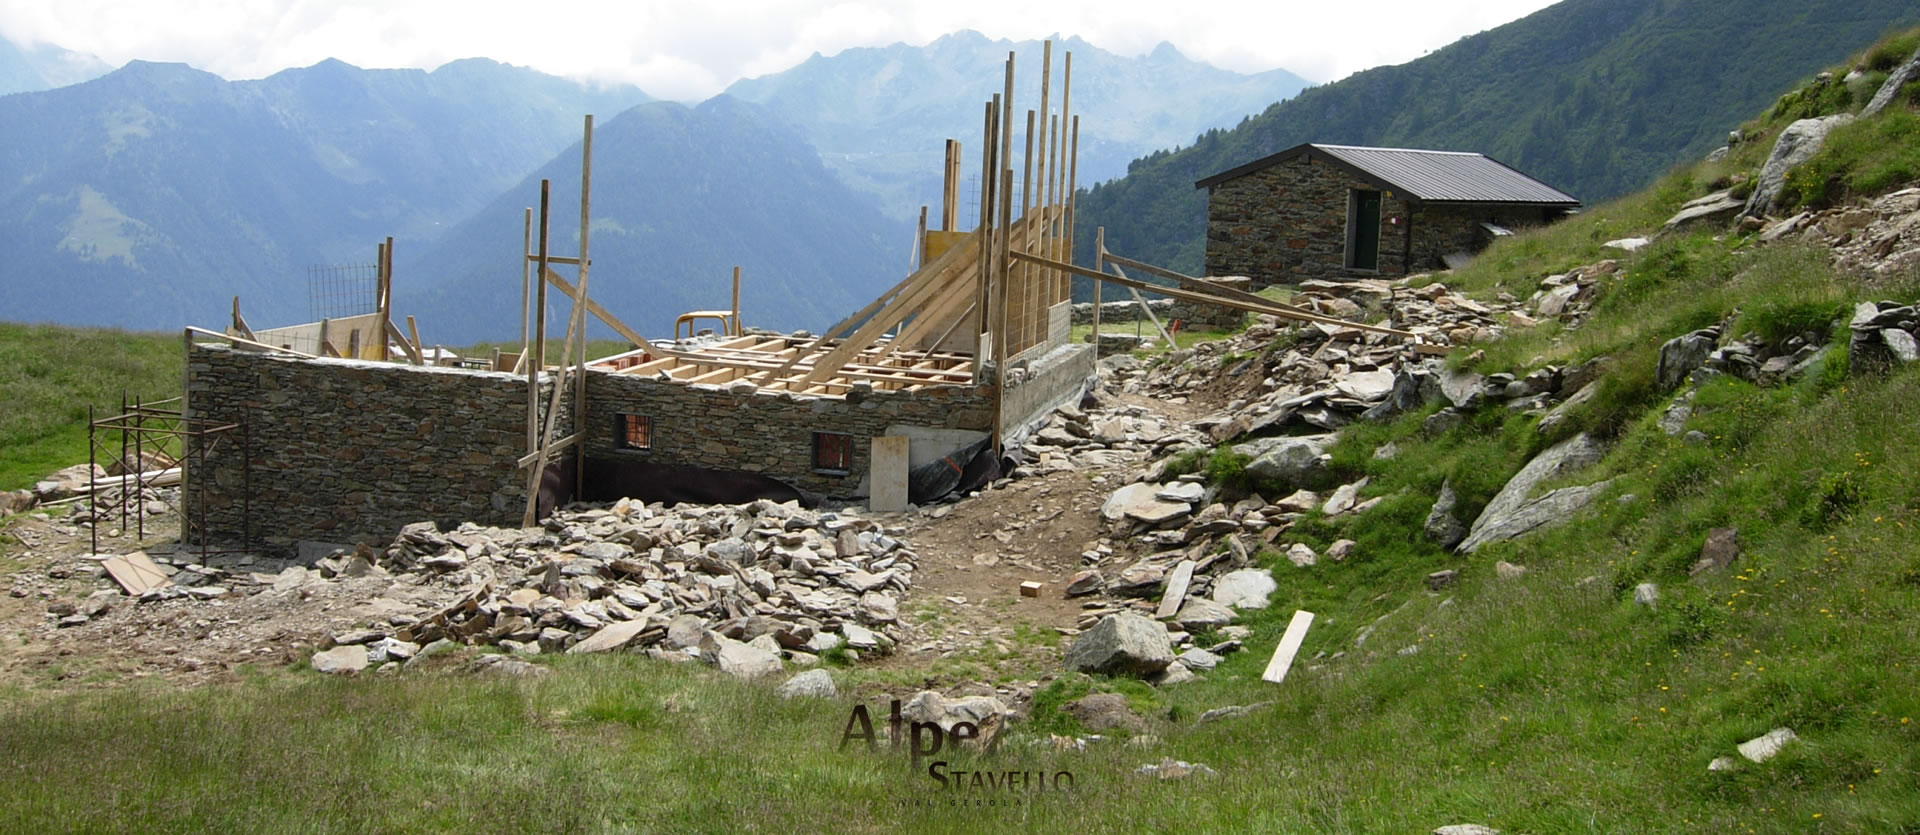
(832, 451)
(633, 431)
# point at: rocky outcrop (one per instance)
(1717, 207)
(1682, 354)
(1798, 143)
(1514, 511)
(1902, 74)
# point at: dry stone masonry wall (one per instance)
(742, 427)
(346, 450)
(1288, 222)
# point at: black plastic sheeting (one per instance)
(963, 470)
(612, 479)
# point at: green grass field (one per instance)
(50, 374)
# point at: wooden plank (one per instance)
(240, 322)
(1147, 311)
(887, 474)
(580, 312)
(1176, 589)
(559, 259)
(1199, 285)
(136, 573)
(1288, 648)
(393, 333)
(413, 336)
(247, 342)
(554, 447)
(928, 281)
(1188, 295)
(593, 307)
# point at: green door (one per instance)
(1364, 231)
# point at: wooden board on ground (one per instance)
(136, 573)
(1289, 646)
(1176, 589)
(888, 469)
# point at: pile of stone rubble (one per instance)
(745, 587)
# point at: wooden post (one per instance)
(537, 349)
(580, 310)
(981, 332)
(1041, 277)
(1073, 200)
(1027, 273)
(526, 278)
(919, 258)
(1099, 266)
(737, 327)
(386, 298)
(413, 335)
(1064, 288)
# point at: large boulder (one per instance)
(1121, 644)
(1798, 143)
(1682, 354)
(1293, 461)
(1514, 511)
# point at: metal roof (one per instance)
(1433, 176)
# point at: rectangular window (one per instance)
(832, 452)
(632, 431)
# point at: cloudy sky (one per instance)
(690, 49)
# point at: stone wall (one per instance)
(1126, 311)
(1287, 223)
(1202, 315)
(346, 450)
(764, 432)
(1441, 229)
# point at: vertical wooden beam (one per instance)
(950, 188)
(1026, 275)
(1099, 266)
(920, 242)
(1073, 200)
(1040, 277)
(526, 277)
(1064, 292)
(537, 349)
(981, 330)
(737, 327)
(386, 299)
(580, 310)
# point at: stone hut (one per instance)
(1332, 211)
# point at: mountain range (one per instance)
(1595, 97)
(146, 197)
(680, 196)
(880, 115)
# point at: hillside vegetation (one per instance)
(1595, 97)
(49, 375)
(1544, 701)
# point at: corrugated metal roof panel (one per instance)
(1452, 176)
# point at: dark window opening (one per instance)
(632, 431)
(832, 451)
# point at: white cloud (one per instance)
(688, 49)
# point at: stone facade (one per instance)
(1287, 223)
(766, 432)
(346, 450)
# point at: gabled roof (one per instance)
(1433, 176)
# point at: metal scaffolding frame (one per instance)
(141, 428)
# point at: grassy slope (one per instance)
(50, 374)
(1548, 703)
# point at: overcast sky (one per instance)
(690, 49)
